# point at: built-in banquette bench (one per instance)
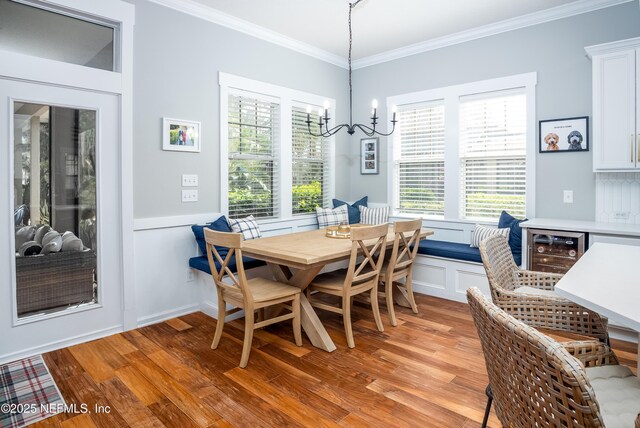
(443, 268)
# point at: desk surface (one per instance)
(304, 249)
(606, 279)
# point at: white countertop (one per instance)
(583, 226)
(606, 280)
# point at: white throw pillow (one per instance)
(332, 216)
(374, 215)
(248, 226)
(483, 232)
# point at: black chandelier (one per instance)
(370, 131)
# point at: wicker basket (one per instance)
(55, 280)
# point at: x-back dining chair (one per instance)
(361, 276)
(400, 264)
(248, 294)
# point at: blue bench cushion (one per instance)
(201, 263)
(449, 250)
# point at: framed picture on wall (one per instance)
(180, 135)
(564, 135)
(369, 156)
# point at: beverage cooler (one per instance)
(554, 251)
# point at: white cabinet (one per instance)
(616, 105)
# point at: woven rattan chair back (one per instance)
(235, 281)
(499, 264)
(364, 271)
(535, 381)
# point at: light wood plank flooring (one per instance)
(426, 372)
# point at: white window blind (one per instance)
(310, 169)
(253, 156)
(419, 160)
(492, 149)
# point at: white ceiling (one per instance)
(378, 25)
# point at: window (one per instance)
(253, 156)
(465, 152)
(274, 168)
(30, 30)
(493, 143)
(419, 164)
(309, 165)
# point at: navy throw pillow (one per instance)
(221, 225)
(515, 234)
(354, 211)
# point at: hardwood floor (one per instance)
(427, 372)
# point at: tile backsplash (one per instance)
(618, 197)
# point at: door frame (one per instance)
(16, 66)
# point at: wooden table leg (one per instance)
(313, 327)
(638, 358)
(311, 324)
(400, 296)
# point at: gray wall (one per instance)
(555, 50)
(176, 64)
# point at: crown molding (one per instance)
(555, 13)
(616, 46)
(217, 17)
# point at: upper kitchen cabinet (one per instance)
(616, 105)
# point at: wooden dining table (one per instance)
(297, 258)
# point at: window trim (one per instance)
(287, 98)
(451, 96)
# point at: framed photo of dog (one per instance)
(564, 135)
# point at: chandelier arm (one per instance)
(370, 132)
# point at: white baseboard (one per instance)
(211, 309)
(52, 346)
(163, 316)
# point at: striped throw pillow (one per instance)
(483, 232)
(248, 226)
(374, 215)
(332, 217)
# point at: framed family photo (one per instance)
(564, 135)
(180, 135)
(369, 156)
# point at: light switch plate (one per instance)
(190, 196)
(568, 197)
(189, 180)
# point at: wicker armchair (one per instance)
(529, 296)
(537, 381)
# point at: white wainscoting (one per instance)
(163, 247)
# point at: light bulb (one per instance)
(374, 103)
(308, 109)
(326, 105)
(394, 108)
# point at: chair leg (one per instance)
(487, 409)
(248, 338)
(222, 314)
(297, 330)
(376, 309)
(346, 319)
(388, 292)
(410, 297)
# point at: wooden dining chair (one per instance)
(249, 294)
(361, 276)
(400, 264)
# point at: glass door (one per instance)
(64, 244)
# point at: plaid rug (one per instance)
(27, 393)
